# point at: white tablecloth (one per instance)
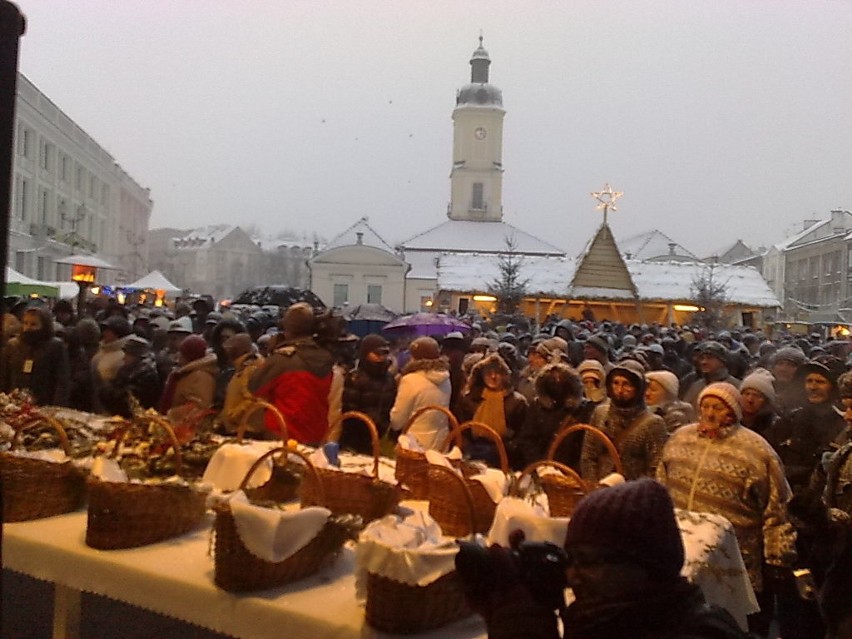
(175, 578)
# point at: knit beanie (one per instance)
(424, 348)
(762, 381)
(370, 344)
(726, 393)
(635, 519)
(667, 380)
(193, 347)
(715, 349)
(600, 343)
(791, 354)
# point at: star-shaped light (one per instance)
(606, 198)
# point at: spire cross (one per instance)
(606, 200)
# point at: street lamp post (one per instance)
(84, 275)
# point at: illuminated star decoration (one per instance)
(606, 199)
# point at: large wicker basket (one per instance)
(238, 570)
(446, 502)
(128, 515)
(402, 608)
(563, 489)
(589, 430)
(410, 464)
(283, 485)
(353, 493)
(35, 488)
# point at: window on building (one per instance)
(43, 205)
(78, 178)
(374, 293)
(20, 261)
(64, 168)
(41, 268)
(24, 199)
(464, 304)
(44, 155)
(25, 142)
(477, 202)
(341, 294)
(425, 302)
(93, 186)
(104, 193)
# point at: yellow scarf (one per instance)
(491, 411)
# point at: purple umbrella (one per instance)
(426, 324)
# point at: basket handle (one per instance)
(163, 423)
(565, 470)
(597, 432)
(490, 433)
(254, 407)
(468, 498)
(454, 423)
(371, 426)
(284, 451)
(57, 425)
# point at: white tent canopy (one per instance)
(154, 281)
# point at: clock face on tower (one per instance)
(480, 133)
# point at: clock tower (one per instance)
(476, 192)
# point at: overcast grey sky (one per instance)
(719, 119)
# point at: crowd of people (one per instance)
(730, 422)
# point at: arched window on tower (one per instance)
(477, 203)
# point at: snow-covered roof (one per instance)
(478, 237)
(203, 237)
(368, 237)
(155, 281)
(655, 281)
(652, 244)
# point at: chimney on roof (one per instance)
(360, 237)
(838, 221)
(672, 246)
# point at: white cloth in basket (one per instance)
(409, 442)
(516, 514)
(407, 548)
(274, 535)
(493, 480)
(230, 463)
(107, 469)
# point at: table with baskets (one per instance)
(196, 566)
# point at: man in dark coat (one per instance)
(136, 377)
(36, 360)
(370, 389)
(558, 403)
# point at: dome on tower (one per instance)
(479, 92)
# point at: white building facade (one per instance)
(69, 196)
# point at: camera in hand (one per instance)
(540, 566)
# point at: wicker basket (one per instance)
(402, 608)
(589, 430)
(410, 464)
(238, 570)
(353, 493)
(447, 504)
(128, 515)
(563, 490)
(35, 488)
(283, 484)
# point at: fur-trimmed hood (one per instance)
(558, 384)
(475, 382)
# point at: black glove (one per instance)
(778, 580)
